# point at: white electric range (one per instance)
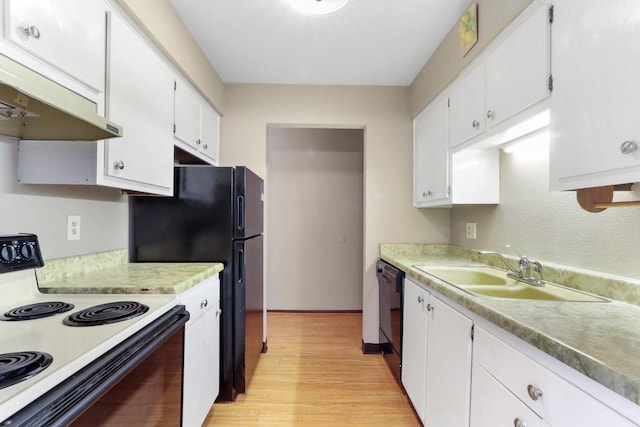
(62, 342)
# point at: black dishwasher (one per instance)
(390, 286)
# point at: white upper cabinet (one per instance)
(443, 179)
(511, 76)
(140, 98)
(67, 34)
(196, 123)
(431, 155)
(518, 69)
(595, 130)
(468, 105)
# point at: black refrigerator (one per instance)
(215, 215)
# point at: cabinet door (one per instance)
(448, 366)
(186, 114)
(518, 69)
(414, 345)
(68, 34)
(593, 107)
(431, 155)
(493, 405)
(141, 100)
(201, 381)
(467, 105)
(209, 131)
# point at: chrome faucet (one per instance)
(528, 271)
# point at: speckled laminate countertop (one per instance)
(600, 340)
(110, 273)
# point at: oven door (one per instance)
(121, 386)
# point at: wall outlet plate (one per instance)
(471, 230)
(73, 227)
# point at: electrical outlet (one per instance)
(73, 227)
(471, 230)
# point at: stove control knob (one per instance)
(8, 254)
(27, 251)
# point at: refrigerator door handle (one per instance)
(240, 266)
(240, 212)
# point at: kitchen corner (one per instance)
(597, 339)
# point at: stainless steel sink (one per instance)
(494, 283)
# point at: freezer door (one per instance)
(248, 209)
(249, 308)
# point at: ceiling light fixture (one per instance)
(318, 7)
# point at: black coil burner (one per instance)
(103, 314)
(20, 366)
(36, 311)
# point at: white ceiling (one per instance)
(369, 42)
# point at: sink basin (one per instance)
(494, 283)
(467, 275)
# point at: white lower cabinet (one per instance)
(448, 366)
(493, 405)
(201, 377)
(508, 385)
(414, 345)
(436, 358)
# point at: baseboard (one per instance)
(370, 348)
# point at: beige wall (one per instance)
(163, 25)
(550, 226)
(446, 63)
(43, 210)
(383, 113)
(315, 218)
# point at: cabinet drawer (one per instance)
(493, 405)
(560, 403)
(202, 298)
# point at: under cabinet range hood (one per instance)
(34, 107)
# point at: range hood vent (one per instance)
(34, 107)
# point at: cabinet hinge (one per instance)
(551, 83)
(175, 85)
(551, 14)
(471, 333)
(448, 102)
(174, 128)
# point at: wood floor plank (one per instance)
(314, 374)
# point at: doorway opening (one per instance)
(315, 217)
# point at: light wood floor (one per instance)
(314, 374)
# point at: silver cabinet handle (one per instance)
(204, 303)
(218, 312)
(534, 392)
(420, 299)
(32, 31)
(628, 147)
(519, 423)
(205, 146)
(475, 124)
(430, 307)
(198, 141)
(427, 193)
(491, 114)
(118, 165)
